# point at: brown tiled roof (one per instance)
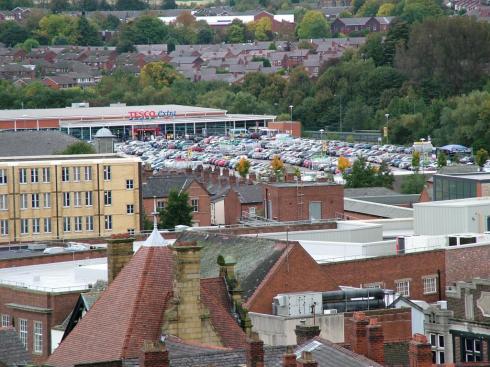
(128, 312)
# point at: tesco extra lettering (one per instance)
(147, 115)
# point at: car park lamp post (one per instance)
(321, 134)
(386, 132)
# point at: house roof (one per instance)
(33, 143)
(249, 194)
(131, 311)
(160, 186)
(12, 351)
(256, 256)
(354, 21)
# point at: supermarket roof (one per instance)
(98, 112)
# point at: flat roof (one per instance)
(58, 277)
(485, 200)
(79, 158)
(478, 176)
(302, 184)
(97, 112)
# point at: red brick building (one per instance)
(292, 201)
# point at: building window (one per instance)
(35, 200)
(66, 224)
(66, 199)
(472, 349)
(76, 173)
(373, 285)
(107, 173)
(251, 211)
(22, 175)
(4, 227)
(131, 231)
(77, 199)
(47, 225)
(23, 332)
(47, 200)
(34, 175)
(88, 198)
(130, 209)
(4, 203)
(3, 177)
(129, 184)
(108, 222)
(88, 173)
(46, 175)
(160, 205)
(65, 174)
(78, 224)
(24, 226)
(403, 287)
(6, 320)
(38, 337)
(89, 223)
(23, 201)
(195, 205)
(430, 285)
(107, 198)
(36, 226)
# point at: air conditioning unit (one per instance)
(297, 304)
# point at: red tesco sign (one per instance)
(146, 115)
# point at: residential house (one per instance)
(16, 71)
(59, 81)
(359, 24)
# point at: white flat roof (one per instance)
(56, 277)
(97, 112)
(480, 201)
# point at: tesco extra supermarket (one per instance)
(128, 122)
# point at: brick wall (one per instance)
(466, 263)
(396, 354)
(388, 269)
(457, 304)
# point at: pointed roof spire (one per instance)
(155, 239)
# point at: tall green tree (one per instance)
(86, 33)
(481, 158)
(177, 211)
(313, 25)
(12, 33)
(80, 147)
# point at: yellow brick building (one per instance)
(68, 197)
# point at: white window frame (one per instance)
(37, 346)
(66, 199)
(35, 202)
(46, 174)
(131, 231)
(36, 225)
(47, 200)
(3, 177)
(160, 204)
(34, 175)
(76, 174)
(24, 200)
(108, 222)
(23, 331)
(89, 223)
(78, 224)
(89, 198)
(403, 287)
(88, 173)
(24, 226)
(107, 173)
(129, 208)
(195, 205)
(4, 202)
(373, 285)
(65, 174)
(107, 198)
(6, 320)
(77, 199)
(66, 224)
(430, 284)
(4, 227)
(129, 184)
(23, 176)
(47, 225)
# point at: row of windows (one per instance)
(26, 223)
(403, 286)
(23, 330)
(194, 205)
(77, 224)
(67, 174)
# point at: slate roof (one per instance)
(255, 256)
(12, 352)
(33, 143)
(249, 194)
(160, 186)
(368, 191)
(131, 310)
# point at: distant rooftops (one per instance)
(80, 158)
(33, 143)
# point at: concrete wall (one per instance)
(279, 330)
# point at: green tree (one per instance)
(385, 10)
(12, 33)
(58, 6)
(29, 44)
(236, 32)
(86, 33)
(130, 5)
(57, 25)
(481, 158)
(369, 8)
(416, 161)
(158, 74)
(79, 147)
(441, 160)
(205, 34)
(313, 25)
(413, 184)
(177, 211)
(361, 175)
(169, 4)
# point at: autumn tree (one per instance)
(277, 166)
(416, 161)
(343, 163)
(243, 167)
(158, 74)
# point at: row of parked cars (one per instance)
(309, 154)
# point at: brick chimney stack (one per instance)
(376, 340)
(119, 253)
(306, 360)
(256, 351)
(419, 352)
(289, 358)
(358, 338)
(153, 354)
(305, 333)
